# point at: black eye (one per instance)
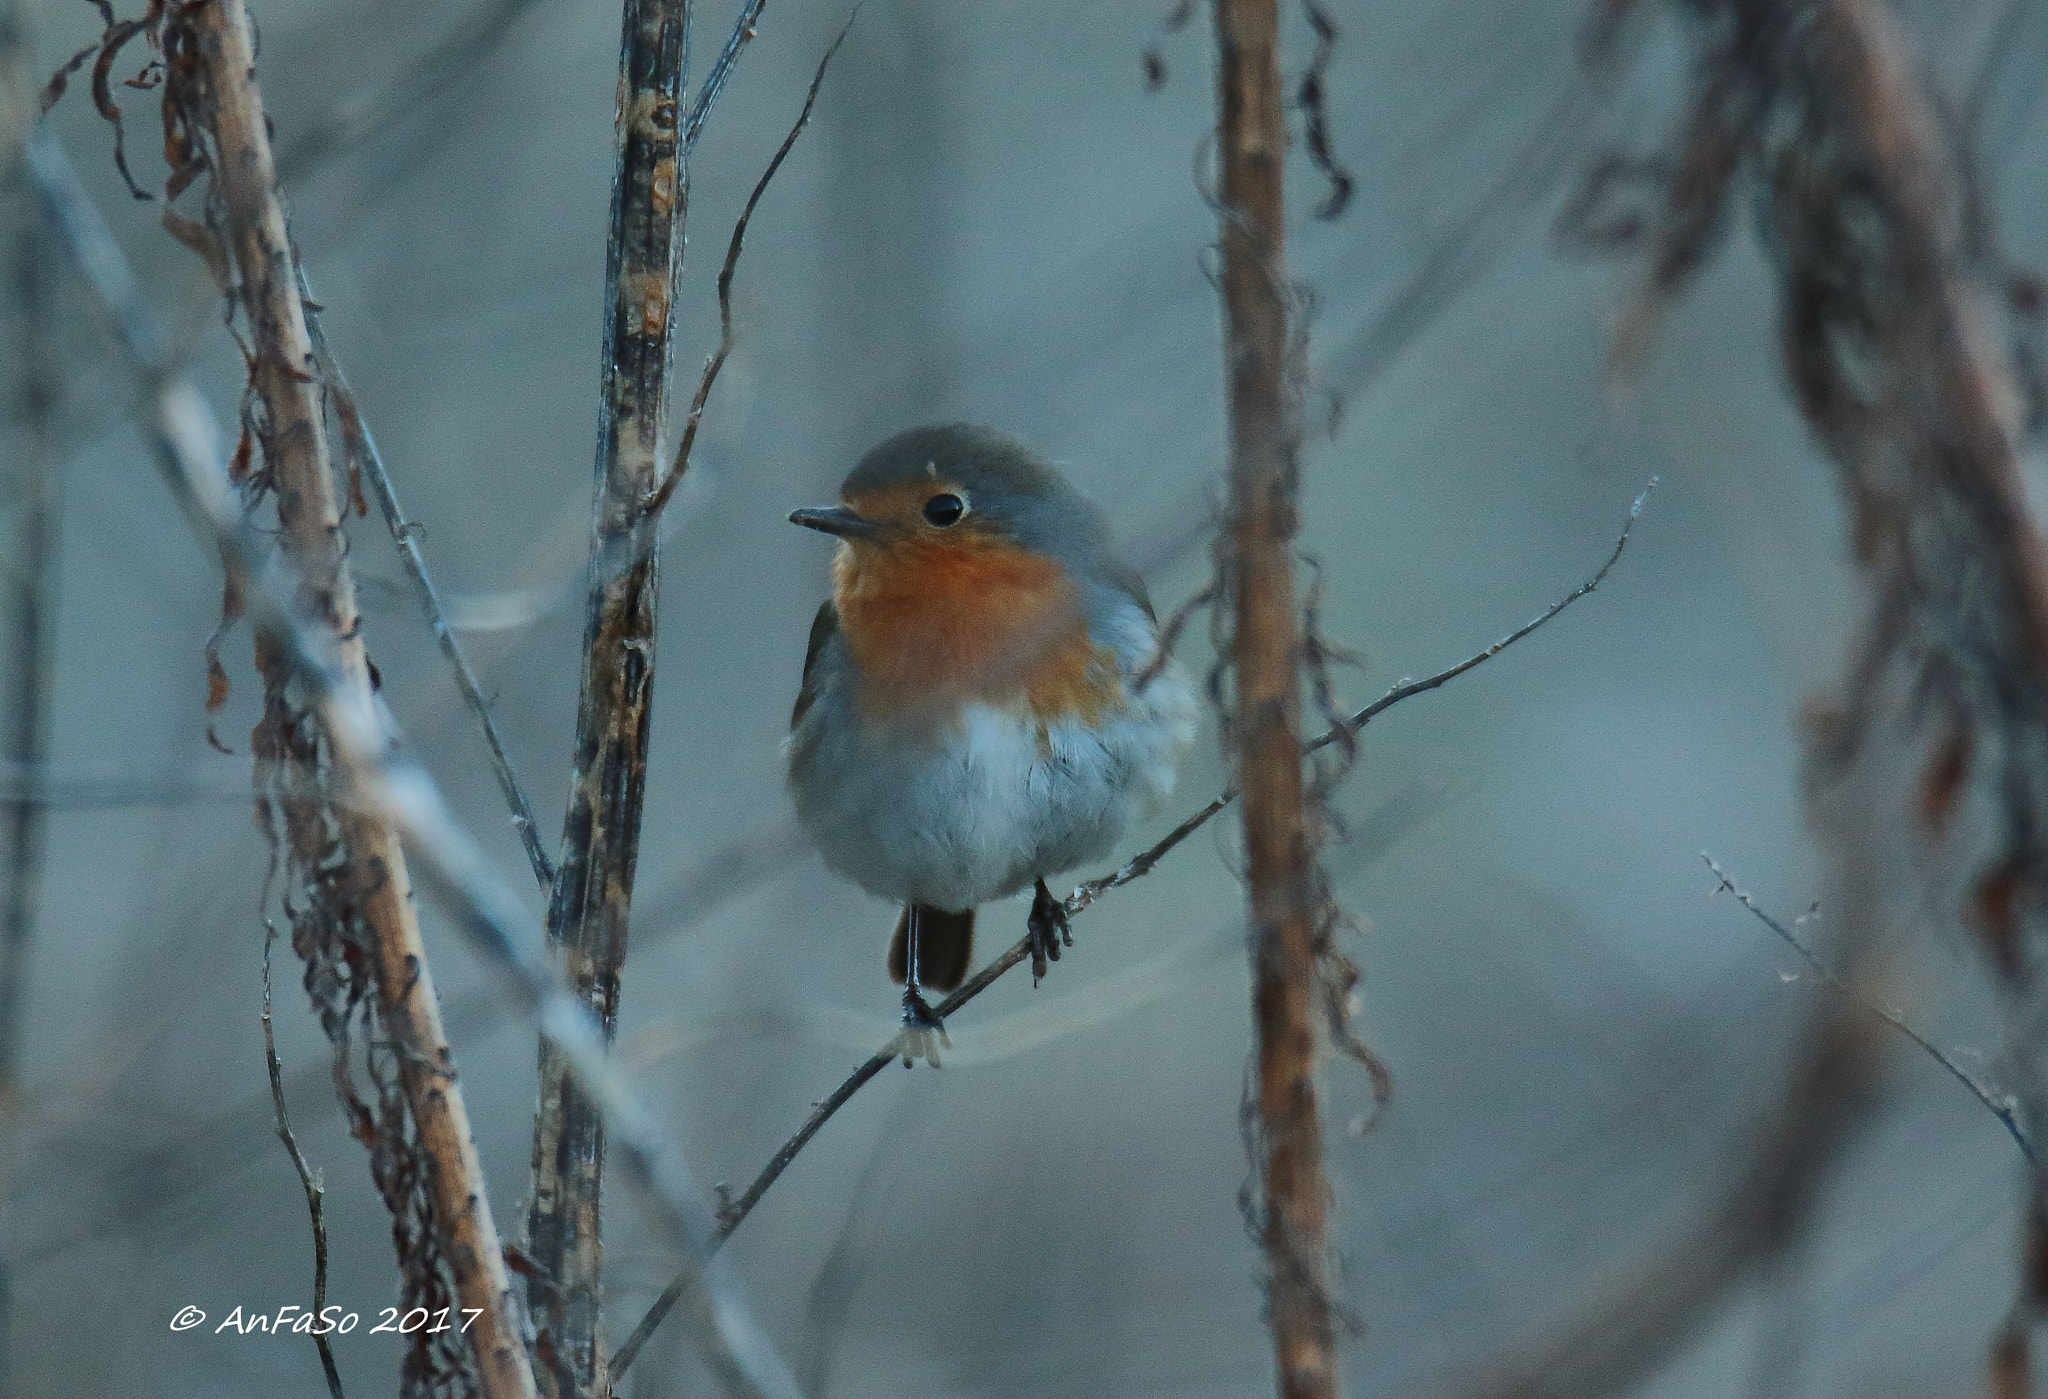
(944, 510)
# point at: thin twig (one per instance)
(362, 453)
(309, 1181)
(732, 1215)
(742, 34)
(680, 462)
(2000, 1106)
(1415, 687)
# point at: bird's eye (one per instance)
(943, 510)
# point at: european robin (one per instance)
(983, 699)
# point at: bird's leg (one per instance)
(920, 1022)
(1048, 929)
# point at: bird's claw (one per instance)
(923, 1031)
(1048, 930)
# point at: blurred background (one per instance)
(993, 218)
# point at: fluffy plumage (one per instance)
(969, 720)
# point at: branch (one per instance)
(2000, 1105)
(377, 775)
(1255, 566)
(1084, 897)
(680, 463)
(591, 904)
(743, 31)
(220, 90)
(362, 454)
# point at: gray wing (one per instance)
(824, 627)
(1126, 581)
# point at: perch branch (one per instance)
(732, 1215)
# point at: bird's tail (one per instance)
(945, 947)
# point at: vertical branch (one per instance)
(587, 917)
(1265, 653)
(216, 57)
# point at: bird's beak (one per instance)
(835, 519)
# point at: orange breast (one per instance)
(934, 624)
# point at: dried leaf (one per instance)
(201, 240)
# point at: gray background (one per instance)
(992, 219)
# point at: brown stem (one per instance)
(588, 914)
(1257, 558)
(281, 371)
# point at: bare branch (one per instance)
(1080, 901)
(2000, 1105)
(363, 456)
(680, 462)
(591, 903)
(378, 775)
(1262, 350)
(213, 83)
(743, 31)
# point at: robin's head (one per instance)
(958, 489)
(969, 567)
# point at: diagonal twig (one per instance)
(362, 454)
(680, 462)
(732, 1215)
(2000, 1105)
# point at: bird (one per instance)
(985, 698)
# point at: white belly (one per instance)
(980, 809)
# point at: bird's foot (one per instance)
(1048, 930)
(923, 1031)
